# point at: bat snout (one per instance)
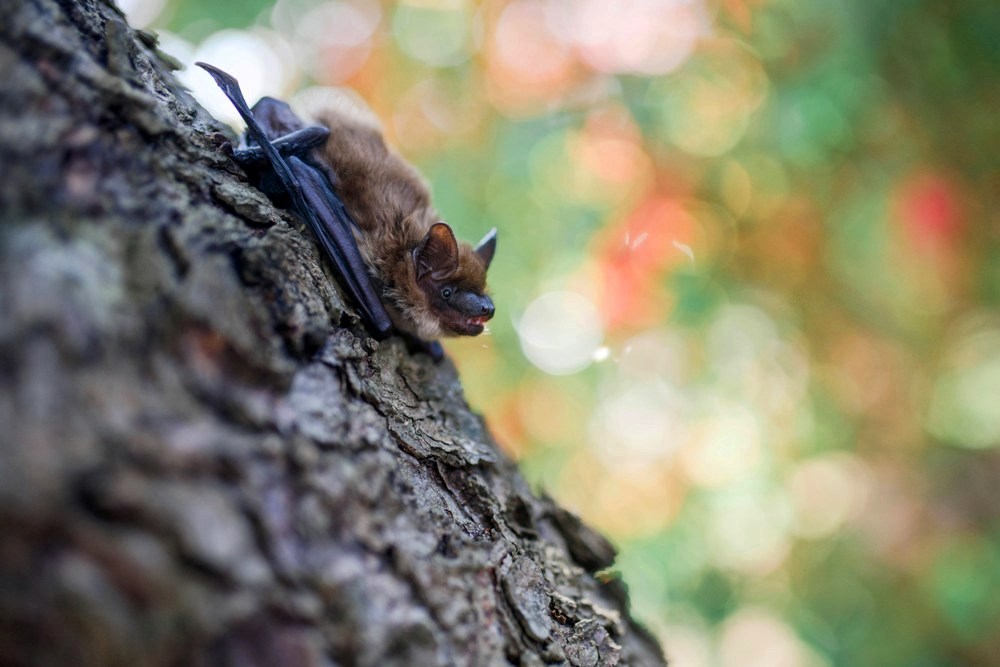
(475, 305)
(470, 312)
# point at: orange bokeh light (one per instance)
(633, 256)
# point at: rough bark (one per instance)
(203, 459)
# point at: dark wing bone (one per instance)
(313, 198)
(298, 142)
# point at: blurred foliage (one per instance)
(748, 286)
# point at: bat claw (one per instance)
(431, 348)
(222, 143)
(435, 350)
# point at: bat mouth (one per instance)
(473, 326)
(469, 326)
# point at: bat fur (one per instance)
(398, 229)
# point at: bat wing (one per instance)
(314, 199)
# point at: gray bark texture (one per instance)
(203, 459)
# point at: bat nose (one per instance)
(471, 304)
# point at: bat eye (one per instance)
(446, 293)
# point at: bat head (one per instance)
(452, 279)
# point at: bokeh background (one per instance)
(748, 286)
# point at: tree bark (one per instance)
(203, 459)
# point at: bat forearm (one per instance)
(332, 225)
(294, 143)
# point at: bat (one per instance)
(372, 215)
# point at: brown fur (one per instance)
(391, 204)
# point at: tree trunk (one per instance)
(203, 459)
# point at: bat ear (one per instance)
(437, 254)
(487, 247)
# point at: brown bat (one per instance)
(432, 285)
(372, 214)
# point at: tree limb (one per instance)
(203, 460)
